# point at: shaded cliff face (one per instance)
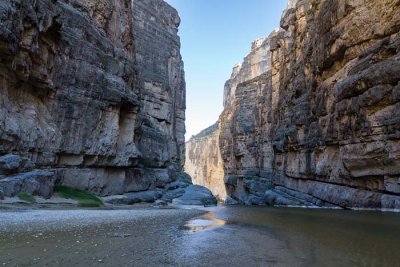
(91, 91)
(203, 161)
(318, 123)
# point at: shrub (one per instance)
(84, 198)
(26, 197)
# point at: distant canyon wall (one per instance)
(92, 95)
(312, 115)
(203, 161)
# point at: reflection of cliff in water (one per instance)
(259, 236)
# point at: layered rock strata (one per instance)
(312, 116)
(92, 95)
(203, 161)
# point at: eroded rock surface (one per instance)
(196, 195)
(179, 192)
(93, 92)
(203, 161)
(315, 109)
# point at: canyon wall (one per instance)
(203, 161)
(92, 95)
(312, 116)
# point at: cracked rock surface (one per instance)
(315, 109)
(92, 91)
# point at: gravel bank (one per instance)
(133, 237)
(49, 220)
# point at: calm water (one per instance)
(223, 236)
(259, 236)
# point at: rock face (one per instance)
(179, 192)
(203, 161)
(93, 92)
(196, 195)
(312, 116)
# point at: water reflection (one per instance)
(259, 236)
(206, 221)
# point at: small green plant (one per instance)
(26, 197)
(310, 13)
(84, 198)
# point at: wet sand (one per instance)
(221, 236)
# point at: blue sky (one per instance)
(216, 35)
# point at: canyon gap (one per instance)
(312, 115)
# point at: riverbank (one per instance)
(138, 236)
(216, 236)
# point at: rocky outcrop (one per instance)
(179, 192)
(203, 161)
(196, 195)
(92, 95)
(39, 182)
(312, 115)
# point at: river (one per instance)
(259, 236)
(219, 236)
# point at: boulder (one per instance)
(38, 182)
(12, 164)
(257, 187)
(231, 201)
(160, 203)
(171, 194)
(145, 196)
(134, 197)
(183, 176)
(196, 195)
(116, 200)
(181, 183)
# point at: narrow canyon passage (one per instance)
(100, 166)
(311, 116)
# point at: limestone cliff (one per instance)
(312, 116)
(92, 95)
(203, 150)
